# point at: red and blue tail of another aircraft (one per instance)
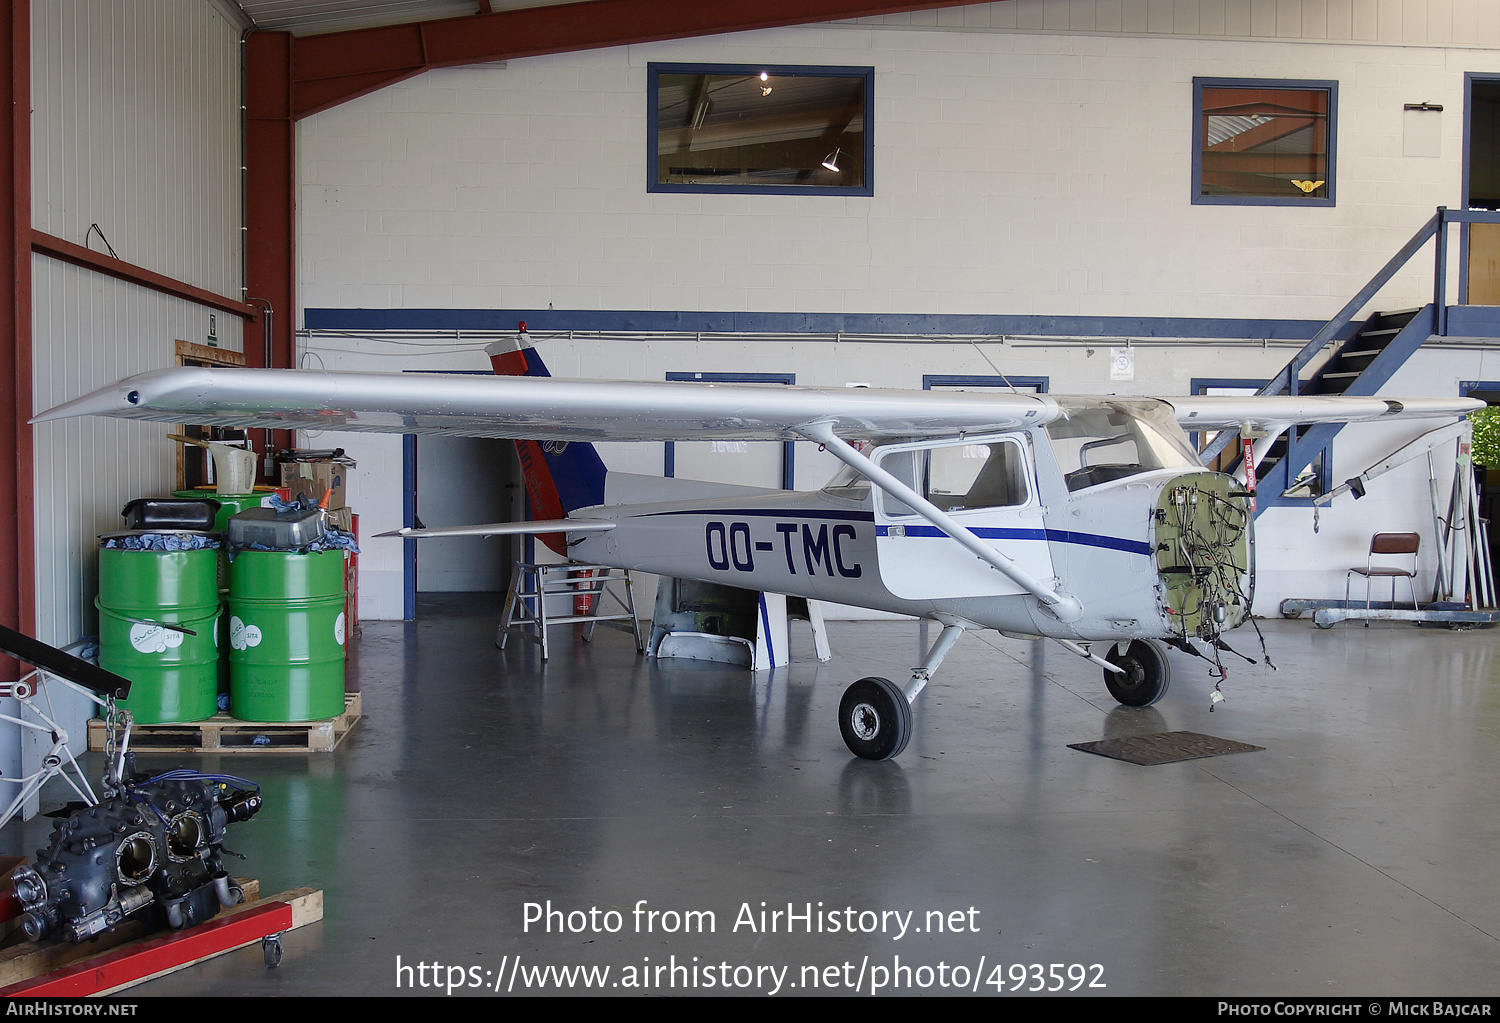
(560, 476)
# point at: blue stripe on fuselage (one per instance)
(1113, 543)
(842, 516)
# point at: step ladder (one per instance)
(588, 586)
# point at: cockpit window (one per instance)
(977, 476)
(1097, 444)
(959, 477)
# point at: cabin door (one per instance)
(986, 484)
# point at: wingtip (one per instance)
(115, 398)
(120, 397)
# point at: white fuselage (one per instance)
(1095, 545)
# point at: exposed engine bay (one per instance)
(1202, 535)
(152, 846)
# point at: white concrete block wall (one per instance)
(1016, 172)
(1462, 22)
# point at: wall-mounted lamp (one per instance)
(832, 160)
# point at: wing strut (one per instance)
(1064, 608)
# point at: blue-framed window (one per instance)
(1264, 142)
(760, 128)
(997, 382)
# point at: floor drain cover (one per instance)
(1163, 747)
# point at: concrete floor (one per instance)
(1354, 856)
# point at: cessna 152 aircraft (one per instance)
(1087, 520)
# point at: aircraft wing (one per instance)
(551, 408)
(542, 408)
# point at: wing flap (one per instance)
(1220, 411)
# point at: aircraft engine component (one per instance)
(1203, 542)
(156, 843)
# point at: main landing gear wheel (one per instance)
(875, 718)
(1147, 674)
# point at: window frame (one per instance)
(894, 508)
(1283, 84)
(655, 70)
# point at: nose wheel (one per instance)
(875, 718)
(1146, 676)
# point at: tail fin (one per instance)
(561, 476)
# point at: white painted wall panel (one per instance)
(136, 128)
(96, 330)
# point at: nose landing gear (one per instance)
(1146, 676)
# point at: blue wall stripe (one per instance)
(809, 323)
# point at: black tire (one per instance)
(1147, 673)
(875, 718)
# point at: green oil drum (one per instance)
(141, 593)
(286, 635)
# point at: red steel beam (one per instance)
(78, 255)
(17, 523)
(331, 69)
(270, 200)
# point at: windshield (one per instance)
(848, 484)
(1101, 441)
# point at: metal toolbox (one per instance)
(158, 513)
(281, 531)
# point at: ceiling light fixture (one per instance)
(832, 160)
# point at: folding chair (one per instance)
(1387, 545)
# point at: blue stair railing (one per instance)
(1364, 356)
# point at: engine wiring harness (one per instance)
(1204, 540)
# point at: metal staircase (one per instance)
(1361, 358)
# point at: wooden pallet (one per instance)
(224, 734)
